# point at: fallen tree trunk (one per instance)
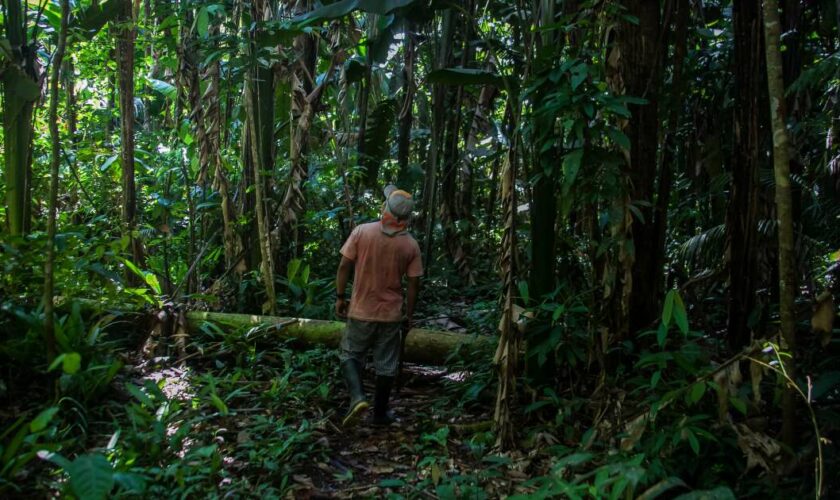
(431, 347)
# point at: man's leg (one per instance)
(354, 345)
(386, 356)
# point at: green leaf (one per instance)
(391, 483)
(619, 137)
(680, 314)
(344, 7)
(40, 422)
(692, 441)
(739, 404)
(219, 404)
(661, 334)
(654, 380)
(668, 308)
(92, 19)
(464, 76)
(292, 269)
(139, 395)
(167, 89)
(71, 363)
(91, 477)
(571, 167)
(696, 392)
(719, 493)
(202, 22)
(108, 163)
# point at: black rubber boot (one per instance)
(381, 414)
(352, 371)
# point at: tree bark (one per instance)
(55, 160)
(125, 68)
(406, 110)
(510, 338)
(784, 207)
(743, 211)
(17, 117)
(640, 46)
(668, 163)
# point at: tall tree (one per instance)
(743, 211)
(784, 205)
(259, 106)
(20, 91)
(55, 160)
(640, 46)
(126, 32)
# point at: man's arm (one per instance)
(411, 298)
(341, 278)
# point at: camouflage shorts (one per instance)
(384, 338)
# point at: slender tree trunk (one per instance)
(667, 165)
(784, 206)
(510, 339)
(125, 69)
(441, 57)
(266, 262)
(406, 110)
(70, 91)
(55, 160)
(743, 211)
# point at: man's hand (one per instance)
(341, 308)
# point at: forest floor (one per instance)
(248, 415)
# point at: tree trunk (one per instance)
(432, 347)
(266, 261)
(18, 107)
(259, 105)
(640, 46)
(441, 59)
(510, 338)
(406, 110)
(742, 213)
(670, 142)
(55, 160)
(125, 69)
(784, 207)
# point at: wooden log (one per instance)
(430, 347)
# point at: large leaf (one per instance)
(91, 477)
(40, 422)
(464, 76)
(344, 7)
(377, 145)
(92, 19)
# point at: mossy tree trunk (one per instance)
(784, 205)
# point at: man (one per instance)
(382, 252)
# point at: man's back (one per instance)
(380, 263)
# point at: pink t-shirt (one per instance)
(380, 261)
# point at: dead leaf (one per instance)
(822, 320)
(760, 449)
(635, 429)
(435, 469)
(243, 437)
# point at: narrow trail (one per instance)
(417, 453)
(278, 429)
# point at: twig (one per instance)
(795, 386)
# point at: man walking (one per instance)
(382, 252)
